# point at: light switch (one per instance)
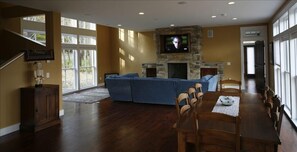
(47, 75)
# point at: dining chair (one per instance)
(217, 137)
(230, 87)
(192, 92)
(277, 112)
(183, 108)
(182, 104)
(198, 87)
(267, 99)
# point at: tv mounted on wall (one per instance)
(178, 43)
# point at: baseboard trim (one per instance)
(9, 129)
(16, 127)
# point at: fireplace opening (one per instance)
(178, 70)
(151, 72)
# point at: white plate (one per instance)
(226, 101)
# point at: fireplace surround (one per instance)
(192, 58)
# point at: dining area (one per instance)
(226, 120)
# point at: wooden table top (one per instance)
(255, 122)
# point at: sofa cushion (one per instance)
(154, 91)
(119, 88)
(130, 75)
(212, 81)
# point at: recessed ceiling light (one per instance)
(231, 3)
(213, 16)
(172, 25)
(141, 13)
(119, 24)
(234, 18)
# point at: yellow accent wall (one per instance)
(12, 77)
(223, 47)
(104, 54)
(20, 74)
(130, 52)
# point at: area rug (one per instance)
(89, 96)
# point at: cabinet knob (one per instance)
(36, 110)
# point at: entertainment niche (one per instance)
(192, 58)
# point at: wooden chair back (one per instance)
(192, 92)
(217, 138)
(230, 87)
(267, 99)
(182, 104)
(277, 112)
(198, 87)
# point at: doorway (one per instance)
(254, 64)
(256, 38)
(249, 61)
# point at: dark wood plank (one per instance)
(112, 127)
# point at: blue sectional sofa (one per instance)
(132, 88)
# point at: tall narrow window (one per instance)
(69, 70)
(87, 68)
(285, 74)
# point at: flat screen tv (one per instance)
(178, 43)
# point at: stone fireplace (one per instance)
(192, 58)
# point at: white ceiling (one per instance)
(160, 13)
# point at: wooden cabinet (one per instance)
(39, 107)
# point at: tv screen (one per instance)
(175, 43)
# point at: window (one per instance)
(69, 69)
(79, 57)
(284, 22)
(88, 40)
(293, 15)
(87, 25)
(39, 18)
(69, 38)
(35, 35)
(276, 28)
(285, 57)
(285, 74)
(87, 68)
(68, 22)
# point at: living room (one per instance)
(226, 39)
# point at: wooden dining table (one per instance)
(256, 128)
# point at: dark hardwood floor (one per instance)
(114, 127)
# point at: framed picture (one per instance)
(37, 55)
(271, 53)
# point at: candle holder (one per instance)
(38, 74)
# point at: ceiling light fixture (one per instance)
(119, 25)
(231, 3)
(172, 25)
(234, 18)
(141, 13)
(213, 16)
